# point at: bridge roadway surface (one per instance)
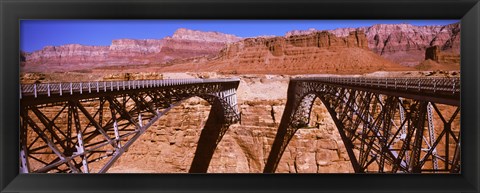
(446, 90)
(66, 89)
(435, 89)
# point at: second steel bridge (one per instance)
(406, 125)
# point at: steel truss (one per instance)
(383, 132)
(86, 129)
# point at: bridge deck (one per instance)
(443, 90)
(62, 88)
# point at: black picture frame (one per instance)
(13, 10)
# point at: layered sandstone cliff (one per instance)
(196, 35)
(169, 145)
(318, 52)
(403, 43)
(183, 44)
(435, 53)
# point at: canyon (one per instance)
(264, 66)
(403, 43)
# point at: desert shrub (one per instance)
(83, 71)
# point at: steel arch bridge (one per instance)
(84, 127)
(388, 125)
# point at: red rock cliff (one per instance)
(403, 43)
(278, 46)
(184, 43)
(317, 52)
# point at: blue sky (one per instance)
(35, 34)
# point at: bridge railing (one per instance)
(434, 84)
(104, 86)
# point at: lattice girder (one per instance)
(381, 130)
(88, 129)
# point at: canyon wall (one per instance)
(403, 43)
(436, 54)
(183, 44)
(313, 53)
(169, 145)
(279, 46)
(195, 35)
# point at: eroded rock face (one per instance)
(169, 145)
(51, 56)
(436, 54)
(183, 44)
(314, 53)
(292, 45)
(134, 47)
(402, 43)
(326, 39)
(195, 35)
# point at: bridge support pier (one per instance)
(284, 133)
(211, 135)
